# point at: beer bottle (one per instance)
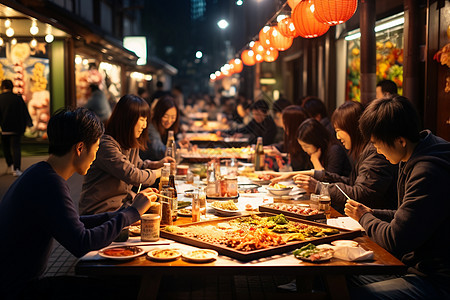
(259, 155)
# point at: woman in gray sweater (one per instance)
(118, 167)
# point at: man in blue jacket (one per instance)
(418, 231)
(38, 208)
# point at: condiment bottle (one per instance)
(174, 196)
(166, 206)
(259, 155)
(165, 173)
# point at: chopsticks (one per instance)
(342, 192)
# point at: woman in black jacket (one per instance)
(372, 180)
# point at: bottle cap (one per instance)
(166, 164)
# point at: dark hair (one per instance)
(141, 91)
(94, 87)
(123, 120)
(346, 118)
(162, 106)
(314, 106)
(280, 104)
(313, 132)
(260, 105)
(389, 118)
(159, 84)
(388, 86)
(293, 116)
(7, 84)
(70, 126)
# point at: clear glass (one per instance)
(195, 207)
(202, 198)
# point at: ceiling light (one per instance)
(78, 60)
(49, 36)
(13, 41)
(34, 29)
(1, 41)
(9, 32)
(7, 23)
(33, 43)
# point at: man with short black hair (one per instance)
(418, 231)
(14, 117)
(386, 88)
(38, 208)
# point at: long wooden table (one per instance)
(333, 272)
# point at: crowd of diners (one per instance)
(395, 173)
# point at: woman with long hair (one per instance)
(108, 184)
(165, 118)
(323, 150)
(372, 180)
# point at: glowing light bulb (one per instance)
(33, 43)
(49, 38)
(9, 32)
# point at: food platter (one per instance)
(164, 254)
(121, 252)
(215, 236)
(226, 212)
(200, 255)
(185, 212)
(225, 208)
(314, 253)
(292, 210)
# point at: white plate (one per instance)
(200, 255)
(168, 254)
(260, 181)
(226, 212)
(136, 252)
(185, 212)
(344, 243)
(280, 192)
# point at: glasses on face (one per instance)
(169, 118)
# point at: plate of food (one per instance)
(200, 255)
(279, 189)
(164, 254)
(121, 252)
(225, 208)
(134, 230)
(344, 243)
(185, 212)
(189, 193)
(261, 179)
(248, 188)
(313, 253)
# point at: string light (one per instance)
(34, 29)
(13, 41)
(33, 43)
(49, 36)
(9, 32)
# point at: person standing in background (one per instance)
(14, 117)
(98, 103)
(177, 93)
(386, 88)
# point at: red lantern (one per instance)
(279, 41)
(286, 27)
(236, 65)
(270, 55)
(264, 34)
(306, 25)
(248, 57)
(258, 48)
(293, 3)
(334, 12)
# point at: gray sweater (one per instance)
(114, 172)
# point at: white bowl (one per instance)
(280, 192)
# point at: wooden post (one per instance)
(368, 51)
(411, 67)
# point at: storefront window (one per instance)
(389, 58)
(28, 68)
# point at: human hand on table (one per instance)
(279, 178)
(306, 182)
(158, 164)
(142, 201)
(356, 210)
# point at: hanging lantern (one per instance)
(264, 36)
(270, 55)
(279, 41)
(334, 12)
(236, 65)
(248, 57)
(258, 48)
(305, 24)
(286, 27)
(293, 3)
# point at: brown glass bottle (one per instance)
(174, 196)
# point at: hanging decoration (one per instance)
(258, 49)
(279, 41)
(305, 23)
(248, 57)
(293, 3)
(334, 12)
(270, 55)
(286, 27)
(236, 65)
(264, 36)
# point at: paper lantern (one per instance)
(258, 48)
(334, 12)
(236, 65)
(293, 3)
(248, 57)
(305, 23)
(286, 27)
(270, 55)
(279, 41)
(264, 36)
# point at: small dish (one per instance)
(280, 191)
(164, 254)
(226, 212)
(189, 193)
(200, 255)
(344, 243)
(135, 230)
(121, 252)
(185, 212)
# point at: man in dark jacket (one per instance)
(418, 231)
(14, 117)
